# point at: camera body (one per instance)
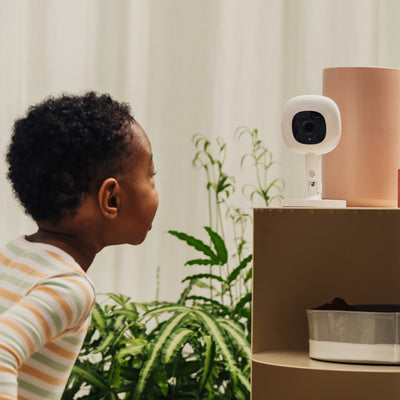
(311, 125)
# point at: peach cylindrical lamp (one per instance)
(363, 169)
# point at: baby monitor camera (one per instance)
(311, 125)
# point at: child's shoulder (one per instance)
(30, 264)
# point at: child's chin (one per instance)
(140, 240)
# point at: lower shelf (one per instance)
(300, 359)
(284, 375)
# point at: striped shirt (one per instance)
(46, 301)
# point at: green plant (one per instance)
(199, 346)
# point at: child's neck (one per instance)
(78, 247)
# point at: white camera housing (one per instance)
(325, 107)
(311, 125)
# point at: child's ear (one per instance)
(109, 200)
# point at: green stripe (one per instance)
(50, 311)
(33, 327)
(21, 283)
(32, 256)
(9, 360)
(71, 293)
(40, 358)
(14, 340)
(6, 383)
(72, 340)
(44, 394)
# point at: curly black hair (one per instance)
(63, 147)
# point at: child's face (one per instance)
(139, 197)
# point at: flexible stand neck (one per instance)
(313, 171)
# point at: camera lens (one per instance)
(309, 127)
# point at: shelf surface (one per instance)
(300, 359)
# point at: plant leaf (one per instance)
(202, 261)
(99, 318)
(166, 309)
(219, 245)
(217, 333)
(234, 274)
(237, 335)
(131, 315)
(174, 343)
(134, 347)
(196, 243)
(208, 361)
(118, 298)
(245, 299)
(207, 300)
(249, 275)
(160, 376)
(105, 343)
(91, 376)
(203, 276)
(169, 326)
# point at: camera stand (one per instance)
(313, 172)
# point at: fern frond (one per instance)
(120, 299)
(240, 304)
(155, 351)
(209, 356)
(165, 309)
(196, 243)
(174, 344)
(99, 318)
(135, 346)
(235, 273)
(217, 333)
(203, 276)
(202, 261)
(90, 376)
(219, 245)
(237, 335)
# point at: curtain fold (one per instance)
(186, 67)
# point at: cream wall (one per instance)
(186, 66)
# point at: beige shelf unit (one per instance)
(304, 258)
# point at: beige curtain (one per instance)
(186, 66)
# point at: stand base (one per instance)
(325, 203)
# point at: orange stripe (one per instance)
(78, 329)
(39, 317)
(60, 351)
(21, 267)
(6, 294)
(11, 397)
(21, 332)
(81, 286)
(82, 328)
(62, 261)
(59, 299)
(8, 370)
(12, 352)
(85, 291)
(42, 376)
